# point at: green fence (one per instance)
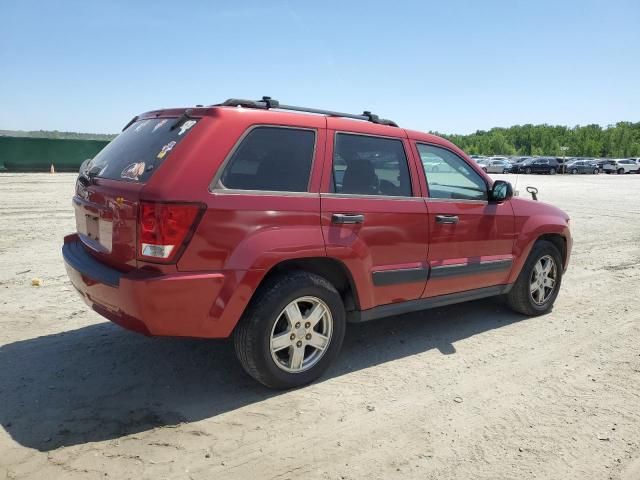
(25, 154)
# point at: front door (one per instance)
(470, 239)
(372, 220)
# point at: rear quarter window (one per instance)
(136, 153)
(276, 159)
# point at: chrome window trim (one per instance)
(455, 200)
(370, 197)
(362, 195)
(216, 186)
(273, 193)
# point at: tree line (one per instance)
(57, 135)
(621, 140)
(614, 141)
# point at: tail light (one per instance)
(165, 228)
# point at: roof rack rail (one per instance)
(267, 103)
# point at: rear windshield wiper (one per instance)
(185, 116)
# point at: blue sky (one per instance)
(451, 66)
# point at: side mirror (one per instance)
(501, 191)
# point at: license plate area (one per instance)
(93, 227)
(94, 231)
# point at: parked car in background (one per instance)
(519, 159)
(276, 227)
(539, 165)
(518, 167)
(497, 166)
(600, 162)
(621, 166)
(582, 166)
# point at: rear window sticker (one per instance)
(133, 171)
(166, 149)
(186, 126)
(159, 124)
(142, 124)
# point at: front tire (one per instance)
(574, 171)
(620, 171)
(291, 331)
(538, 284)
(552, 171)
(527, 171)
(596, 171)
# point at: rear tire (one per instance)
(574, 171)
(596, 171)
(527, 170)
(266, 326)
(522, 298)
(552, 171)
(505, 171)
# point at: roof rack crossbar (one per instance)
(267, 103)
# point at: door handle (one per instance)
(446, 219)
(347, 218)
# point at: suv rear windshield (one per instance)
(138, 151)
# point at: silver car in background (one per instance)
(496, 166)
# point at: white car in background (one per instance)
(620, 166)
(497, 166)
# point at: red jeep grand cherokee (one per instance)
(250, 219)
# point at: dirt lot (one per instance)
(471, 391)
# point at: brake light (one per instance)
(164, 228)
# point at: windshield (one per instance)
(138, 151)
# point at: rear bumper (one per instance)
(181, 304)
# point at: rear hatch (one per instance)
(109, 187)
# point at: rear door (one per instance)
(373, 217)
(109, 187)
(470, 239)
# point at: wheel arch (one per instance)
(559, 241)
(334, 271)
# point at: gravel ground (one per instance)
(467, 391)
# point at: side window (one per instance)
(271, 159)
(449, 176)
(364, 165)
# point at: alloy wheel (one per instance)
(301, 334)
(543, 280)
